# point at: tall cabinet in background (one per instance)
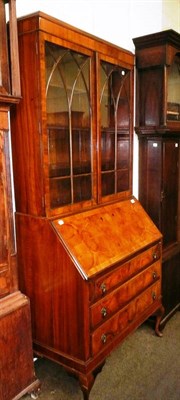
(17, 375)
(158, 129)
(89, 256)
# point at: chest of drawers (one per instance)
(117, 312)
(92, 279)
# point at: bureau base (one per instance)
(88, 293)
(86, 372)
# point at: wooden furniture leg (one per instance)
(86, 381)
(159, 314)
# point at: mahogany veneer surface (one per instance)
(99, 238)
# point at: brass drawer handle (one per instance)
(103, 338)
(103, 312)
(103, 288)
(154, 274)
(155, 256)
(154, 295)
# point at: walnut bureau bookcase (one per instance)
(89, 256)
(158, 129)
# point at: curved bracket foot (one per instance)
(86, 381)
(159, 314)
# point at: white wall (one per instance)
(117, 21)
(171, 14)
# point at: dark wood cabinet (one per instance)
(17, 375)
(15, 317)
(89, 256)
(158, 129)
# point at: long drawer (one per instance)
(119, 297)
(113, 327)
(124, 272)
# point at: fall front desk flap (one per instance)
(101, 237)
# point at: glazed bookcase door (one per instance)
(69, 126)
(115, 129)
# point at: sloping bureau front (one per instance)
(92, 277)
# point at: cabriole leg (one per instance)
(86, 383)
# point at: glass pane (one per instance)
(108, 150)
(59, 157)
(123, 180)
(173, 105)
(115, 125)
(81, 151)
(60, 192)
(81, 90)
(122, 152)
(56, 99)
(69, 118)
(108, 183)
(82, 187)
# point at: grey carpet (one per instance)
(143, 367)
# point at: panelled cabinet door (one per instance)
(150, 181)
(159, 184)
(169, 195)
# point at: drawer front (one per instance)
(4, 283)
(115, 326)
(118, 298)
(124, 272)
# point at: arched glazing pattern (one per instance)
(115, 128)
(69, 125)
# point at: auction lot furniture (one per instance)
(17, 375)
(89, 256)
(158, 129)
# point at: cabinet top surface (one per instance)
(102, 237)
(40, 21)
(157, 39)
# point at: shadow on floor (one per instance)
(143, 367)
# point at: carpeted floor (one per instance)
(143, 367)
